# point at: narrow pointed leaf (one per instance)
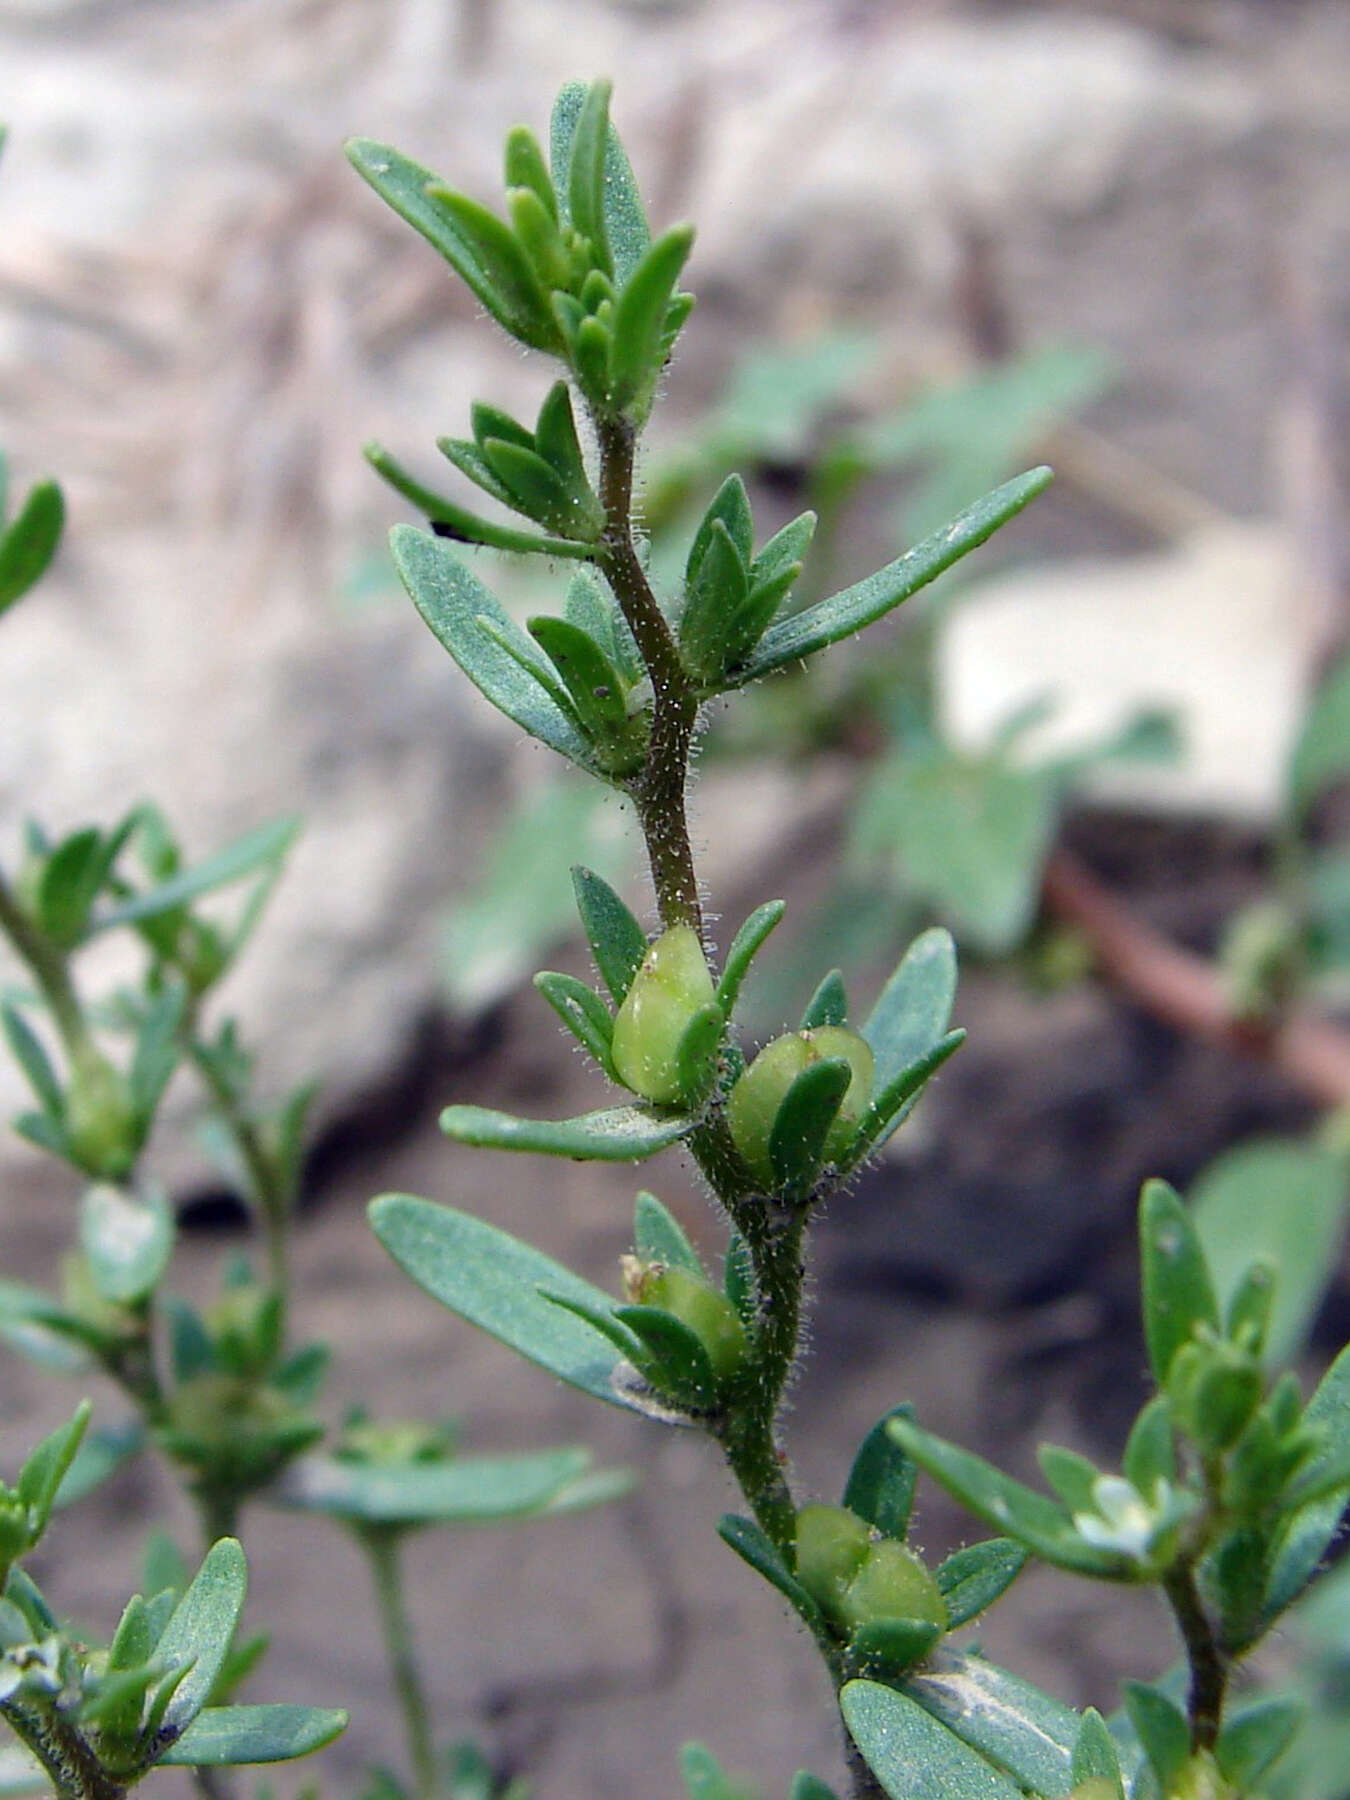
(495, 1281)
(970, 1580)
(676, 1357)
(464, 1490)
(1254, 1739)
(555, 438)
(1177, 1292)
(1306, 1537)
(1094, 1754)
(593, 610)
(1150, 1450)
(225, 1736)
(28, 543)
(448, 519)
(731, 506)
(696, 1055)
(738, 1280)
(745, 947)
(640, 318)
(74, 873)
(537, 490)
(618, 943)
(806, 1786)
(99, 1455)
(262, 849)
(1013, 1724)
(597, 690)
(753, 1546)
(201, 1628)
(847, 612)
(525, 167)
(914, 1008)
(1161, 1728)
(491, 422)
(658, 1237)
(461, 454)
(784, 549)
(828, 1005)
(803, 1120)
(714, 595)
(158, 1050)
(127, 1240)
(626, 228)
(880, 1486)
(26, 1048)
(617, 1134)
(911, 1754)
(582, 1011)
(891, 1105)
(45, 1467)
(586, 171)
(453, 602)
(477, 245)
(1033, 1519)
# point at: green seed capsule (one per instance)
(892, 1584)
(711, 1317)
(101, 1120)
(672, 985)
(832, 1546)
(760, 1092)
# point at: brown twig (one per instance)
(1188, 992)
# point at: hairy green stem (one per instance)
(659, 791)
(382, 1547)
(75, 1771)
(48, 968)
(1208, 1664)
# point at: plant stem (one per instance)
(218, 1511)
(659, 791)
(48, 968)
(1208, 1665)
(75, 1771)
(382, 1547)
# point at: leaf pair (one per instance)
(730, 594)
(540, 473)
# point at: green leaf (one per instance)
(716, 592)
(970, 1580)
(127, 1240)
(806, 1786)
(482, 250)
(582, 1011)
(222, 1736)
(1177, 1292)
(1161, 1728)
(1321, 757)
(1013, 1724)
(891, 1106)
(706, 1779)
(913, 1009)
(494, 1281)
(28, 543)
(200, 1630)
(456, 606)
(45, 1468)
(625, 222)
(1094, 1754)
(593, 609)
(158, 1049)
(911, 1754)
(525, 167)
(786, 549)
(677, 1362)
(753, 1546)
(802, 1123)
(659, 1238)
(1071, 1476)
(264, 848)
(27, 1050)
(618, 943)
(447, 519)
(585, 185)
(828, 1005)
(460, 1491)
(100, 1454)
(1283, 1199)
(969, 834)
(640, 348)
(71, 879)
(597, 690)
(1033, 1519)
(880, 1487)
(555, 438)
(1305, 1538)
(697, 1054)
(730, 507)
(856, 607)
(617, 1134)
(537, 490)
(745, 946)
(1252, 1740)
(1150, 1450)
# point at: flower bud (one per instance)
(892, 1584)
(101, 1123)
(711, 1317)
(760, 1092)
(670, 988)
(832, 1546)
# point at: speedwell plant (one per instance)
(1231, 1486)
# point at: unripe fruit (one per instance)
(760, 1092)
(892, 1584)
(672, 985)
(832, 1546)
(101, 1119)
(711, 1317)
